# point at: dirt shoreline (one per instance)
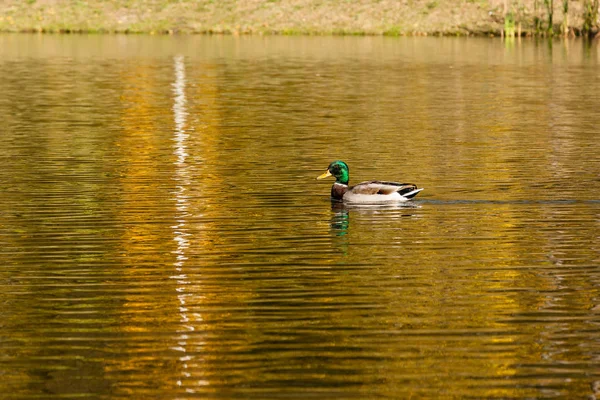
(288, 17)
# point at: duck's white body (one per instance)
(374, 192)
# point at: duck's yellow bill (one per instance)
(324, 175)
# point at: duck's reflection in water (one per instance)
(340, 220)
(340, 217)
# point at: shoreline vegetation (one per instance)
(510, 18)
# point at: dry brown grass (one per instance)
(369, 17)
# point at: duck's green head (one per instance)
(340, 170)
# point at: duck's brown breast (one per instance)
(338, 190)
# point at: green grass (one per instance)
(394, 31)
(289, 17)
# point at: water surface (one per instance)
(162, 234)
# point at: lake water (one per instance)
(162, 234)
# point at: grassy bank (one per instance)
(365, 17)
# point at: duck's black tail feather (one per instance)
(409, 193)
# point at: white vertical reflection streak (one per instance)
(180, 231)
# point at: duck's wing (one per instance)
(382, 187)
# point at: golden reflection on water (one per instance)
(168, 238)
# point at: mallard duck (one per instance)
(366, 192)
